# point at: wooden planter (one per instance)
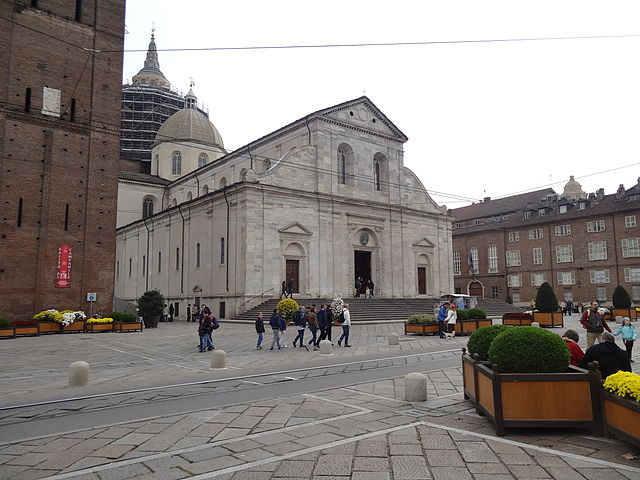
(27, 330)
(151, 322)
(421, 329)
(517, 320)
(7, 332)
(534, 400)
(467, 327)
(549, 319)
(77, 327)
(49, 327)
(621, 417)
(624, 312)
(128, 326)
(100, 327)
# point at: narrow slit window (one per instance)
(20, 212)
(66, 217)
(78, 10)
(27, 100)
(72, 113)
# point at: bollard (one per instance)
(535, 324)
(325, 347)
(394, 339)
(78, 374)
(415, 387)
(219, 359)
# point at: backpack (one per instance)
(216, 323)
(340, 317)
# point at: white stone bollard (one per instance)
(325, 347)
(219, 359)
(394, 339)
(415, 387)
(78, 374)
(535, 324)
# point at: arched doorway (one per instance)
(476, 289)
(293, 254)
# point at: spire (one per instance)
(150, 74)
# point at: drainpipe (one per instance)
(226, 260)
(182, 253)
(146, 267)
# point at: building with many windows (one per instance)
(584, 245)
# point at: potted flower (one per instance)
(286, 308)
(621, 406)
(337, 305)
(150, 306)
(622, 304)
(73, 321)
(547, 314)
(100, 324)
(422, 324)
(6, 329)
(528, 382)
(49, 321)
(125, 322)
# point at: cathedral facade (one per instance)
(319, 202)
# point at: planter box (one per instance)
(517, 319)
(621, 417)
(128, 326)
(421, 329)
(7, 332)
(77, 327)
(552, 319)
(26, 330)
(467, 327)
(99, 327)
(624, 312)
(49, 327)
(534, 400)
(151, 322)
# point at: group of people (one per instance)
(568, 307)
(167, 313)
(368, 291)
(286, 289)
(610, 357)
(447, 317)
(318, 321)
(207, 323)
(195, 313)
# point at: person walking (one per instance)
(357, 285)
(171, 312)
(260, 330)
(312, 321)
(188, 312)
(283, 332)
(451, 319)
(206, 327)
(346, 325)
(290, 288)
(442, 315)
(322, 325)
(595, 325)
(274, 323)
(629, 335)
(329, 322)
(283, 290)
(165, 313)
(300, 323)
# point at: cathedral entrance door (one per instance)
(362, 264)
(293, 272)
(422, 280)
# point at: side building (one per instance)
(584, 245)
(60, 106)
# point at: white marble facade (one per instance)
(312, 195)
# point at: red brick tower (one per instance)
(60, 94)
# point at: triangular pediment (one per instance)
(424, 242)
(362, 114)
(295, 229)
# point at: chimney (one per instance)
(600, 193)
(620, 192)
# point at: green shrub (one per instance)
(4, 322)
(462, 314)
(287, 308)
(529, 350)
(123, 317)
(480, 340)
(422, 319)
(546, 300)
(621, 298)
(151, 304)
(476, 313)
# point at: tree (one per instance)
(546, 300)
(621, 298)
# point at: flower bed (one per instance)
(100, 325)
(621, 406)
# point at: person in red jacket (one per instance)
(594, 323)
(571, 338)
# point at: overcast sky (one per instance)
(483, 119)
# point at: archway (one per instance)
(476, 289)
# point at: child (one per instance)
(259, 330)
(629, 334)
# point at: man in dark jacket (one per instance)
(610, 356)
(594, 323)
(442, 315)
(322, 325)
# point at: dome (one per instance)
(189, 125)
(573, 190)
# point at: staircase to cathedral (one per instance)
(380, 309)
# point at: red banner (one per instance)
(63, 269)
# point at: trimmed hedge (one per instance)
(529, 350)
(476, 313)
(123, 317)
(4, 322)
(422, 319)
(462, 314)
(621, 298)
(480, 340)
(546, 300)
